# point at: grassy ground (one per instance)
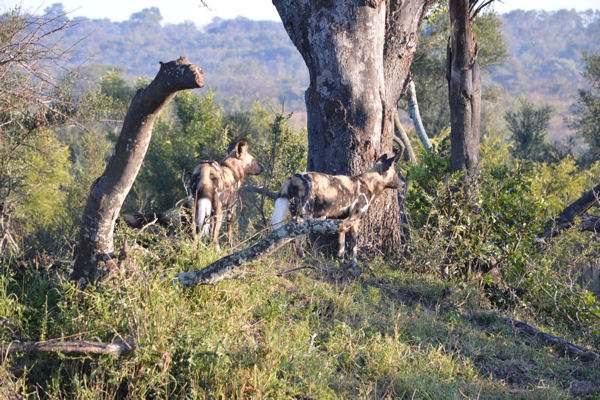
(316, 332)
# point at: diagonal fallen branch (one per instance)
(221, 268)
(567, 347)
(566, 218)
(117, 348)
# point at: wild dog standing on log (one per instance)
(214, 187)
(318, 195)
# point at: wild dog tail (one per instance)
(203, 210)
(280, 213)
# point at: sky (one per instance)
(174, 11)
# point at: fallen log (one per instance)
(566, 218)
(173, 217)
(223, 267)
(117, 348)
(570, 348)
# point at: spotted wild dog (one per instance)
(319, 195)
(214, 186)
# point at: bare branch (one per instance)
(222, 268)
(567, 216)
(117, 348)
(583, 354)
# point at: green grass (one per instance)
(396, 332)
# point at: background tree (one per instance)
(587, 108)
(464, 86)
(358, 56)
(528, 126)
(428, 69)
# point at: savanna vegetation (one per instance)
(434, 323)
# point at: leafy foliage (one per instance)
(496, 235)
(528, 126)
(30, 154)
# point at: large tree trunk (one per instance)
(109, 191)
(358, 54)
(464, 90)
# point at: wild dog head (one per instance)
(384, 173)
(246, 162)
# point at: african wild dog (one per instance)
(214, 187)
(314, 194)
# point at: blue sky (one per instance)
(175, 11)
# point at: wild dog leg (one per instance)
(230, 216)
(341, 245)
(354, 240)
(218, 221)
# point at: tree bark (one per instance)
(358, 55)
(109, 191)
(222, 268)
(464, 90)
(567, 216)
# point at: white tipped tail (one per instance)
(203, 210)
(280, 213)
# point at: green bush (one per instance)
(497, 232)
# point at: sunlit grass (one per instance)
(397, 332)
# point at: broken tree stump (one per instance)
(109, 191)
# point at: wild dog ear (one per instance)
(241, 147)
(236, 149)
(386, 163)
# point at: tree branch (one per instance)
(415, 115)
(221, 268)
(567, 216)
(117, 348)
(567, 347)
(403, 139)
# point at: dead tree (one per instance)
(109, 191)
(358, 55)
